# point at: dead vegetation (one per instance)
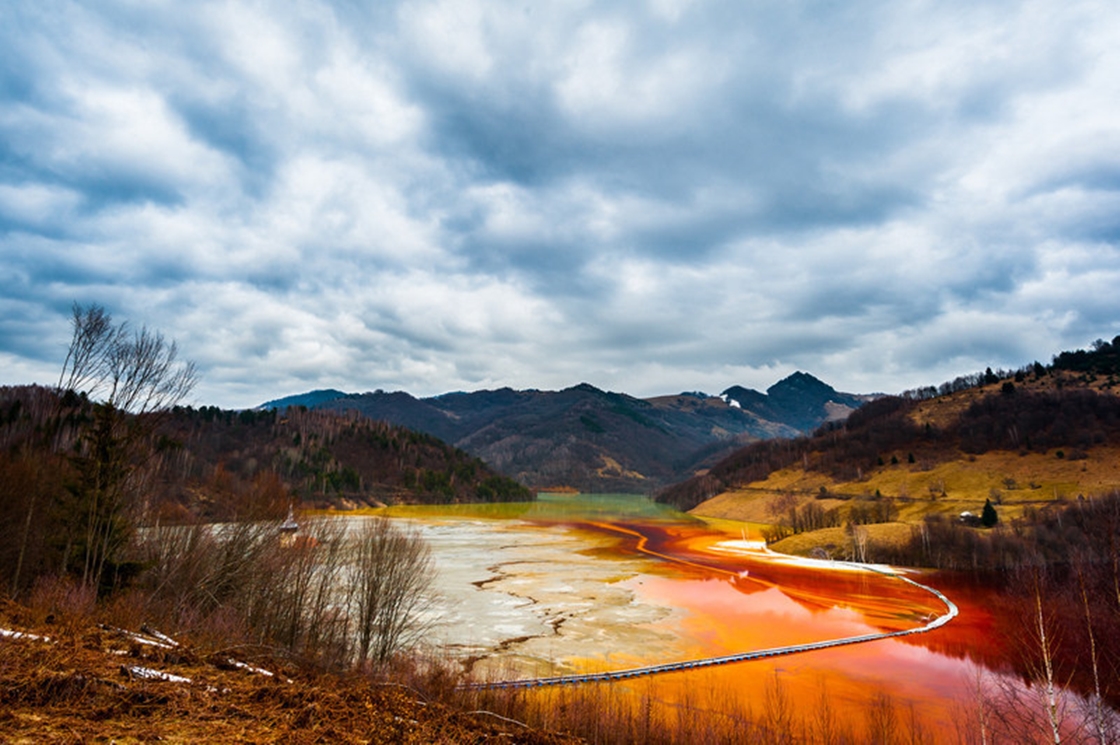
(67, 680)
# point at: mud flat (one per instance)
(513, 599)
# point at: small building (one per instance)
(969, 519)
(288, 529)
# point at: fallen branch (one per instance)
(144, 628)
(137, 672)
(140, 638)
(238, 664)
(499, 716)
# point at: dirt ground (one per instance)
(71, 683)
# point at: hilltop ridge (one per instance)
(1020, 440)
(797, 401)
(589, 439)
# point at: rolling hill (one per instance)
(220, 464)
(323, 458)
(1021, 441)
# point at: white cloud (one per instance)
(338, 210)
(112, 134)
(358, 102)
(266, 48)
(451, 36)
(37, 203)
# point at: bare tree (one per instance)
(778, 718)
(916, 729)
(825, 724)
(1049, 688)
(392, 570)
(93, 334)
(326, 629)
(983, 708)
(194, 570)
(882, 720)
(1042, 709)
(859, 539)
(1100, 721)
(303, 587)
(131, 376)
(143, 373)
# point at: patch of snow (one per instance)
(147, 673)
(9, 634)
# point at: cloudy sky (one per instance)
(647, 196)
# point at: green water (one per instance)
(550, 507)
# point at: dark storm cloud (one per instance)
(648, 196)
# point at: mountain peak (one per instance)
(799, 400)
(800, 384)
(311, 399)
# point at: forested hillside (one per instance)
(1061, 411)
(76, 479)
(323, 458)
(921, 478)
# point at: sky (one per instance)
(651, 197)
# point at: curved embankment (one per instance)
(634, 672)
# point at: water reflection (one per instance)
(606, 582)
(618, 580)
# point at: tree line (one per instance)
(324, 458)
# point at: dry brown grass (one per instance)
(1013, 481)
(1034, 478)
(895, 534)
(760, 505)
(77, 687)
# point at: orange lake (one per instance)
(611, 582)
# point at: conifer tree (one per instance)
(989, 517)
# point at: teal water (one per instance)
(555, 508)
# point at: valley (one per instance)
(765, 590)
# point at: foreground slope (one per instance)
(73, 681)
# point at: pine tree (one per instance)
(989, 517)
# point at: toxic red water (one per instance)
(736, 602)
(935, 687)
(956, 683)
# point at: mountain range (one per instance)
(593, 440)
